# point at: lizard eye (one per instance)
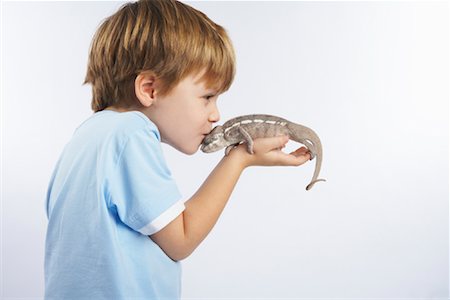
(218, 136)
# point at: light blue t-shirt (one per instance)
(111, 188)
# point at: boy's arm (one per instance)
(180, 237)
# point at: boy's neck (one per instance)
(118, 109)
(124, 109)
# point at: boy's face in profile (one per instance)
(186, 114)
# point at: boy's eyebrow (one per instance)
(211, 91)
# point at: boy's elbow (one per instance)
(176, 240)
(175, 252)
(173, 241)
(179, 255)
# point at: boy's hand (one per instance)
(267, 152)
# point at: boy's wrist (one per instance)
(241, 156)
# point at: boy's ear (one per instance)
(145, 88)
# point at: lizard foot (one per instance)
(250, 148)
(228, 149)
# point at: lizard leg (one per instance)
(248, 139)
(228, 149)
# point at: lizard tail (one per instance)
(311, 140)
(311, 184)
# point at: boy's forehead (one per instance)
(199, 77)
(201, 80)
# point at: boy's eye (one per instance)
(208, 97)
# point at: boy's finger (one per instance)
(267, 144)
(300, 151)
(297, 158)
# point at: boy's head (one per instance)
(166, 38)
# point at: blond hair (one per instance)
(166, 37)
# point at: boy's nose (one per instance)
(215, 115)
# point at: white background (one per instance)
(371, 78)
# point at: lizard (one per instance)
(249, 127)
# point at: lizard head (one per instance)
(214, 141)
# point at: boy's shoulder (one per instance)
(114, 128)
(108, 122)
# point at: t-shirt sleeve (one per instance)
(142, 189)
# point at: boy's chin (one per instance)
(185, 149)
(192, 152)
(188, 150)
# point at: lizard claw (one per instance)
(250, 149)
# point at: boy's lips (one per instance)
(204, 136)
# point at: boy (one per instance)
(117, 223)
